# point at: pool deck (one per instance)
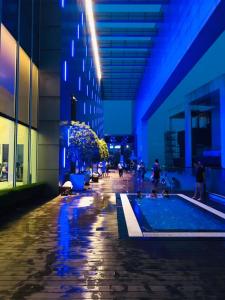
(69, 248)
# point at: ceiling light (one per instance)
(91, 23)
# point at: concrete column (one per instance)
(144, 144)
(49, 95)
(188, 137)
(222, 123)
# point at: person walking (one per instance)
(200, 179)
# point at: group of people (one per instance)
(103, 168)
(155, 179)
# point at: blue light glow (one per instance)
(68, 137)
(65, 70)
(83, 66)
(62, 3)
(64, 157)
(79, 83)
(78, 31)
(82, 19)
(90, 109)
(72, 48)
(84, 108)
(87, 90)
(86, 51)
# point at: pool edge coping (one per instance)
(135, 231)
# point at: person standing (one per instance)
(156, 173)
(120, 169)
(199, 185)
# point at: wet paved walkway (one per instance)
(69, 248)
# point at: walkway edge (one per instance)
(133, 227)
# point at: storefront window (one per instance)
(22, 156)
(24, 87)
(34, 95)
(6, 153)
(8, 72)
(33, 160)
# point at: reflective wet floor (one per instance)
(69, 248)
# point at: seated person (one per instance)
(153, 194)
(165, 193)
(139, 195)
(66, 189)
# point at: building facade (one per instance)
(47, 76)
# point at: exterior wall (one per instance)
(118, 117)
(78, 77)
(183, 21)
(209, 68)
(49, 101)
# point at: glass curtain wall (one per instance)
(18, 94)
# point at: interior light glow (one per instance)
(91, 23)
(62, 3)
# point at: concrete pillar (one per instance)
(49, 95)
(222, 123)
(188, 137)
(144, 144)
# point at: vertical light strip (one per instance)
(83, 67)
(62, 3)
(79, 83)
(64, 158)
(91, 22)
(78, 31)
(68, 137)
(72, 48)
(65, 70)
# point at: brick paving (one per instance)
(69, 248)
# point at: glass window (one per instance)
(24, 87)
(22, 156)
(6, 153)
(33, 160)
(34, 95)
(8, 72)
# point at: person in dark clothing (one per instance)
(200, 178)
(156, 173)
(120, 169)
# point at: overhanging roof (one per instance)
(126, 32)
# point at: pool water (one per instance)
(174, 214)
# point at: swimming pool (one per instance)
(176, 216)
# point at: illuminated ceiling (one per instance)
(126, 30)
